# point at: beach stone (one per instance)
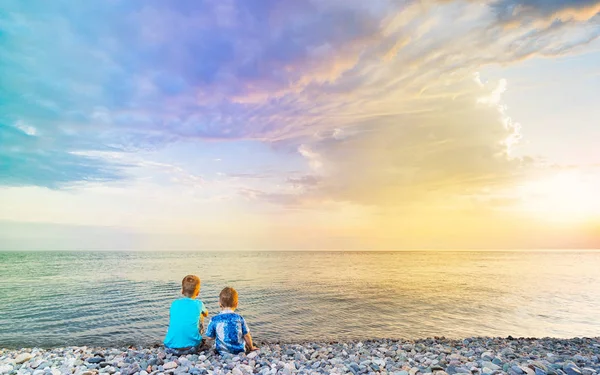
(133, 369)
(170, 365)
(572, 369)
(451, 370)
(497, 361)
(517, 369)
(539, 371)
(539, 365)
(22, 358)
(588, 371)
(95, 360)
(5, 369)
(251, 355)
(490, 365)
(55, 371)
(38, 372)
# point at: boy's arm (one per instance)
(204, 310)
(249, 345)
(247, 337)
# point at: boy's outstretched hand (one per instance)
(249, 344)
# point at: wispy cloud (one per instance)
(549, 10)
(131, 76)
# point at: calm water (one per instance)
(59, 299)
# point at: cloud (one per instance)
(462, 149)
(136, 76)
(314, 159)
(549, 10)
(27, 159)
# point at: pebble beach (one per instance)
(438, 356)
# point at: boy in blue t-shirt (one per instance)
(228, 328)
(186, 317)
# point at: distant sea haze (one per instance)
(50, 299)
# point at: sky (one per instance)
(305, 124)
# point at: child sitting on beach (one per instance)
(228, 328)
(186, 317)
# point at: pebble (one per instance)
(472, 356)
(571, 369)
(490, 365)
(22, 358)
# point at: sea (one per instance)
(113, 299)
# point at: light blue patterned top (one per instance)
(184, 318)
(228, 329)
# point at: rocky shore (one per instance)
(439, 356)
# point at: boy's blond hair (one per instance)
(190, 285)
(228, 298)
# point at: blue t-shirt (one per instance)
(228, 329)
(184, 319)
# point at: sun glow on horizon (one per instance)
(565, 197)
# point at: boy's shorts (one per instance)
(204, 345)
(192, 349)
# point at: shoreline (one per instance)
(435, 356)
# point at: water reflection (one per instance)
(54, 298)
